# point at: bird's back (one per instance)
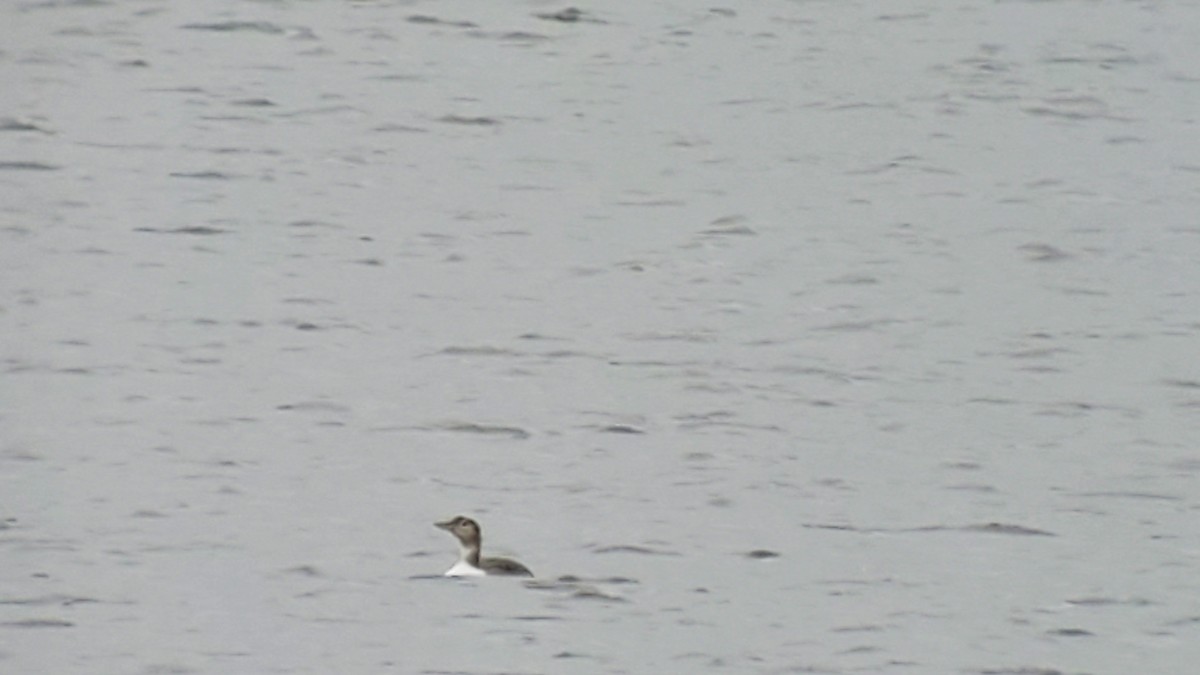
(504, 567)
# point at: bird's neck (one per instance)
(469, 552)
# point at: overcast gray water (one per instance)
(773, 336)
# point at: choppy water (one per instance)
(820, 337)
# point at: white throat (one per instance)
(463, 568)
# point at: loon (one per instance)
(470, 564)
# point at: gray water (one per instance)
(775, 337)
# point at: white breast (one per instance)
(462, 568)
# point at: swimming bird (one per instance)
(470, 562)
